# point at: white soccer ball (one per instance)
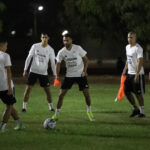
(49, 123)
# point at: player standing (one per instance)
(40, 53)
(7, 88)
(76, 64)
(135, 82)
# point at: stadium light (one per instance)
(40, 8)
(37, 8)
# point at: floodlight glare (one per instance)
(40, 8)
(65, 32)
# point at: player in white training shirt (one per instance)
(76, 64)
(40, 54)
(6, 88)
(135, 82)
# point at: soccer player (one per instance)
(7, 88)
(134, 82)
(40, 54)
(76, 64)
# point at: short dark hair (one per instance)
(44, 33)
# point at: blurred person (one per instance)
(39, 54)
(134, 82)
(7, 88)
(76, 63)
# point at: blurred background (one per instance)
(99, 26)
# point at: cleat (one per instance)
(54, 117)
(141, 115)
(19, 127)
(135, 112)
(90, 115)
(52, 110)
(24, 110)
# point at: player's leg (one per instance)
(59, 103)
(6, 116)
(19, 124)
(141, 104)
(26, 97)
(139, 89)
(49, 98)
(44, 82)
(128, 89)
(32, 78)
(84, 87)
(66, 85)
(88, 103)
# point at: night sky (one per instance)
(18, 16)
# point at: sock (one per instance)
(57, 112)
(88, 108)
(50, 106)
(24, 105)
(3, 125)
(18, 122)
(142, 109)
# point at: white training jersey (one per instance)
(40, 57)
(4, 62)
(73, 60)
(133, 54)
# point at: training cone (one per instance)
(57, 82)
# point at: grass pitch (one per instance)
(113, 129)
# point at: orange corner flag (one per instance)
(121, 93)
(57, 82)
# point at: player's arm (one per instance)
(57, 69)
(140, 64)
(28, 60)
(8, 70)
(85, 62)
(53, 64)
(125, 68)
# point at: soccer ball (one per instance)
(49, 123)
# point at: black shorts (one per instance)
(69, 81)
(131, 86)
(7, 99)
(43, 79)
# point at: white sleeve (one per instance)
(59, 57)
(29, 57)
(7, 60)
(140, 52)
(52, 59)
(82, 52)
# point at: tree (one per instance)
(115, 18)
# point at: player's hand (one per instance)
(136, 79)
(25, 73)
(84, 74)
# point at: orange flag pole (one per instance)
(121, 93)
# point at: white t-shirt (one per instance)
(41, 56)
(73, 60)
(133, 54)
(4, 62)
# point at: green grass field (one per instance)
(112, 130)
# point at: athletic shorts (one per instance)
(69, 81)
(43, 79)
(7, 99)
(131, 86)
